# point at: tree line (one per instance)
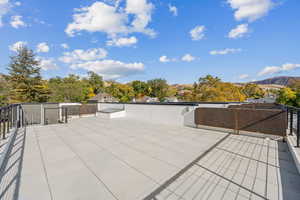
(24, 83)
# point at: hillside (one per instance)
(280, 80)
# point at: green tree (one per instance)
(140, 88)
(252, 90)
(69, 89)
(209, 81)
(96, 82)
(24, 78)
(158, 88)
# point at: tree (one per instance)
(287, 97)
(158, 88)
(252, 90)
(4, 91)
(123, 92)
(69, 89)
(209, 80)
(24, 78)
(296, 87)
(96, 82)
(140, 89)
(212, 89)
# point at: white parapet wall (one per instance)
(168, 114)
(153, 113)
(112, 115)
(295, 151)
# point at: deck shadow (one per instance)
(10, 171)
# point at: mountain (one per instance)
(280, 80)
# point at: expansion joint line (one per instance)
(162, 187)
(44, 165)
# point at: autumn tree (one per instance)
(212, 89)
(4, 91)
(252, 90)
(123, 92)
(296, 87)
(26, 84)
(287, 97)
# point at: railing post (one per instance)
(298, 128)
(1, 122)
(10, 116)
(66, 115)
(19, 116)
(291, 121)
(22, 118)
(7, 118)
(4, 123)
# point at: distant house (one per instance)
(171, 99)
(103, 97)
(262, 100)
(145, 99)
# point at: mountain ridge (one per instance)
(279, 80)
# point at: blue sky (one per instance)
(236, 40)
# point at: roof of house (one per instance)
(101, 96)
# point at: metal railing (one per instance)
(293, 115)
(11, 116)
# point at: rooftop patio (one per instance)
(126, 159)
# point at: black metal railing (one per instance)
(293, 115)
(11, 116)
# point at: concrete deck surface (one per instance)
(241, 167)
(94, 158)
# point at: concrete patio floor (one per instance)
(94, 158)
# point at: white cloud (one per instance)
(18, 3)
(80, 55)
(111, 69)
(14, 47)
(197, 33)
(4, 8)
(65, 46)
(48, 64)
(17, 22)
(243, 76)
(173, 10)
(93, 60)
(98, 17)
(224, 51)
(42, 47)
(142, 12)
(238, 32)
(188, 58)
(121, 42)
(269, 70)
(113, 19)
(164, 59)
(250, 10)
